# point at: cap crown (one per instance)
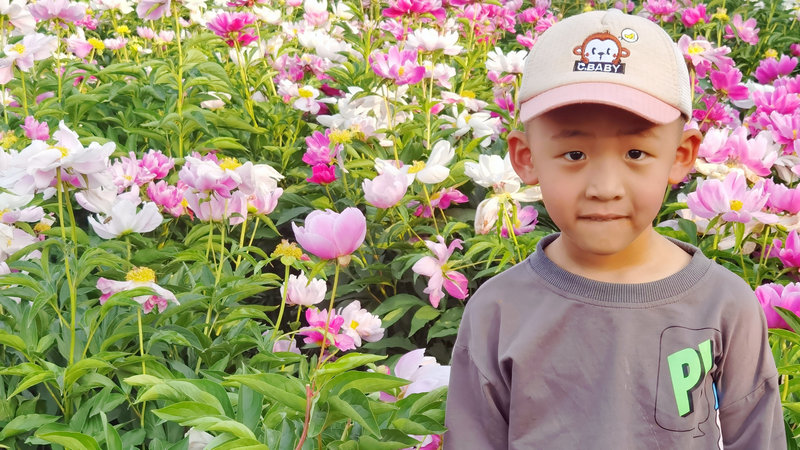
(606, 47)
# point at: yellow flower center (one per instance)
(353, 324)
(401, 70)
(184, 203)
(96, 43)
(736, 205)
(229, 163)
(19, 48)
(340, 136)
(2, 212)
(305, 93)
(721, 15)
(8, 140)
(141, 274)
(41, 227)
(771, 53)
(123, 29)
(64, 150)
(416, 167)
(695, 49)
(287, 249)
(468, 94)
(587, 7)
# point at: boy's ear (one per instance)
(522, 157)
(685, 155)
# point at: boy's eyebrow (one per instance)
(644, 131)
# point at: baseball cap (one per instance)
(606, 57)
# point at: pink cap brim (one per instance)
(627, 98)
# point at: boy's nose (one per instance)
(604, 184)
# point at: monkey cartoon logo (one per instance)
(600, 52)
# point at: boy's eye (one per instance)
(636, 155)
(574, 155)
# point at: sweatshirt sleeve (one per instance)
(751, 415)
(476, 416)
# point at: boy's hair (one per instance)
(606, 57)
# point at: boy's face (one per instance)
(603, 171)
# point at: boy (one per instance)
(610, 336)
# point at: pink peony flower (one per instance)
(320, 150)
(693, 15)
(234, 27)
(770, 295)
(441, 199)
(155, 165)
(399, 8)
(731, 199)
(745, 30)
(153, 9)
(526, 221)
(168, 198)
(399, 65)
(661, 9)
(728, 83)
(424, 373)
(35, 129)
(331, 235)
(438, 269)
(701, 55)
(210, 207)
(317, 333)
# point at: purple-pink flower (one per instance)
(787, 297)
(440, 273)
(317, 333)
(399, 8)
(320, 150)
(731, 199)
(788, 251)
(398, 65)
(696, 14)
(386, 189)
(331, 235)
(322, 174)
(61, 10)
(36, 130)
(234, 27)
(153, 9)
(770, 68)
(746, 30)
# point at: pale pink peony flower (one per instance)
(386, 189)
(210, 207)
(770, 295)
(208, 175)
(155, 166)
(63, 11)
(439, 272)
(304, 292)
(169, 198)
(424, 373)
(331, 235)
(316, 332)
(138, 277)
(745, 30)
(153, 9)
(19, 16)
(787, 251)
(360, 324)
(125, 219)
(32, 47)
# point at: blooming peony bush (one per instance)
(230, 224)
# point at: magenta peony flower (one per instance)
(234, 27)
(331, 235)
(694, 15)
(788, 252)
(322, 174)
(770, 68)
(772, 294)
(731, 199)
(415, 7)
(746, 30)
(438, 269)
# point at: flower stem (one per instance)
(330, 313)
(241, 242)
(73, 300)
(283, 303)
(24, 93)
(141, 351)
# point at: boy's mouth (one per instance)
(601, 217)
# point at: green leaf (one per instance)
(790, 317)
(24, 423)
(81, 368)
(241, 444)
(12, 341)
(346, 362)
(181, 411)
(113, 441)
(423, 316)
(400, 301)
(32, 380)
(419, 424)
(71, 440)
(277, 388)
(355, 405)
(365, 382)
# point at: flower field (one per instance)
(255, 223)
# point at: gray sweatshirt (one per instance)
(546, 359)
